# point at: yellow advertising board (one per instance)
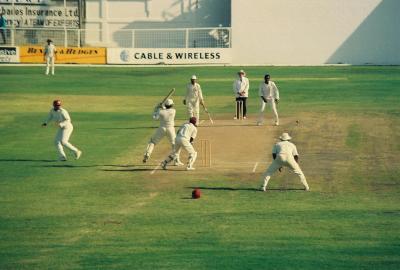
(65, 55)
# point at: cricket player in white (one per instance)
(193, 98)
(269, 94)
(284, 153)
(241, 89)
(50, 56)
(166, 114)
(184, 139)
(61, 117)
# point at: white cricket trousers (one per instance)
(183, 143)
(49, 62)
(193, 109)
(284, 160)
(62, 139)
(157, 137)
(272, 104)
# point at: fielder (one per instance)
(269, 94)
(241, 89)
(193, 98)
(284, 153)
(61, 117)
(50, 56)
(166, 114)
(184, 139)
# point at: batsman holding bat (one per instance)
(166, 114)
(193, 98)
(61, 117)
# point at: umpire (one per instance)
(241, 89)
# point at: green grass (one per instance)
(104, 212)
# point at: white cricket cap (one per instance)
(169, 102)
(194, 77)
(241, 71)
(285, 137)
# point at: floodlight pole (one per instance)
(65, 24)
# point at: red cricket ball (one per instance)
(196, 193)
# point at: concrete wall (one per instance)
(313, 32)
(108, 20)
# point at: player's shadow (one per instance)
(128, 170)
(141, 169)
(225, 188)
(92, 166)
(117, 128)
(28, 160)
(246, 189)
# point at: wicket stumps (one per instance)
(239, 109)
(205, 153)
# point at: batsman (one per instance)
(193, 98)
(165, 113)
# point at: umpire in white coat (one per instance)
(61, 117)
(269, 93)
(241, 89)
(166, 114)
(284, 154)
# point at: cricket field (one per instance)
(108, 210)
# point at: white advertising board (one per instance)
(169, 56)
(9, 55)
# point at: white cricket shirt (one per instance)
(166, 117)
(50, 50)
(193, 93)
(285, 148)
(61, 117)
(268, 91)
(187, 131)
(241, 86)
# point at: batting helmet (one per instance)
(169, 102)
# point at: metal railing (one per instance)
(218, 37)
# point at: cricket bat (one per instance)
(208, 113)
(168, 96)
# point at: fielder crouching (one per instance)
(284, 153)
(61, 117)
(184, 139)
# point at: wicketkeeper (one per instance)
(284, 154)
(61, 117)
(184, 139)
(193, 98)
(166, 114)
(269, 94)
